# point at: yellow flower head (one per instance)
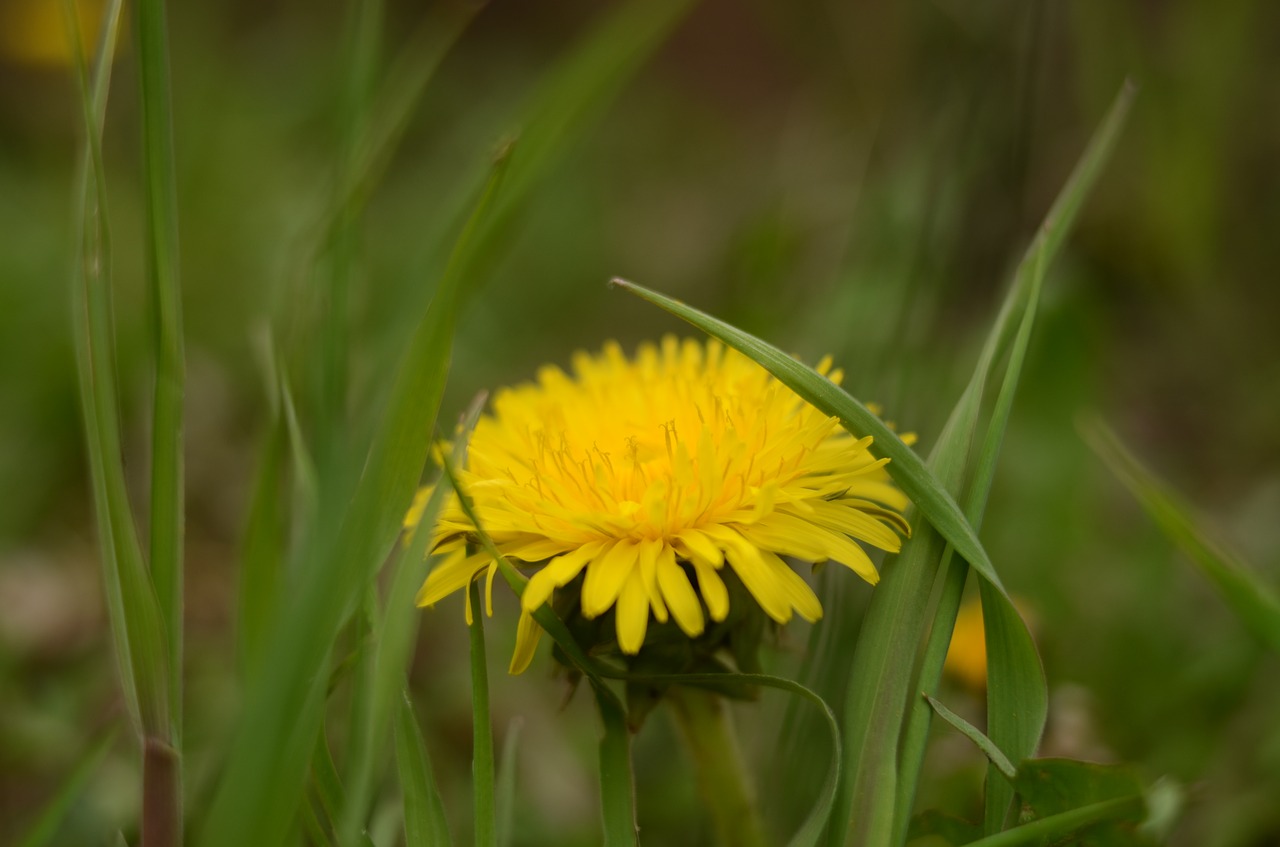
(650, 477)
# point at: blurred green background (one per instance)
(852, 178)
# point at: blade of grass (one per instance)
(424, 816)
(1255, 603)
(482, 780)
(506, 792)
(264, 546)
(137, 616)
(264, 776)
(133, 611)
(50, 818)
(166, 304)
(968, 730)
(1031, 700)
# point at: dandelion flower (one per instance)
(651, 481)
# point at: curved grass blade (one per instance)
(906, 468)
(424, 816)
(1030, 699)
(1254, 602)
(968, 730)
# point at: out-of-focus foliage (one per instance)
(847, 178)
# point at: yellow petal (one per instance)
(633, 613)
(449, 575)
(713, 591)
(679, 594)
(699, 545)
(756, 575)
(558, 572)
(528, 634)
(650, 549)
(606, 576)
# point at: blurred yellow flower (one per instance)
(967, 656)
(966, 660)
(648, 476)
(33, 32)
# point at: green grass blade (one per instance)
(134, 613)
(505, 801)
(264, 547)
(264, 776)
(1255, 603)
(1017, 656)
(968, 730)
(394, 633)
(482, 775)
(905, 467)
(160, 182)
(50, 818)
(1052, 829)
(424, 815)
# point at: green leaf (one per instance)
(424, 815)
(1254, 602)
(968, 730)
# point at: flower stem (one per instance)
(707, 728)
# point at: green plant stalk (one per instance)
(166, 305)
(482, 768)
(706, 726)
